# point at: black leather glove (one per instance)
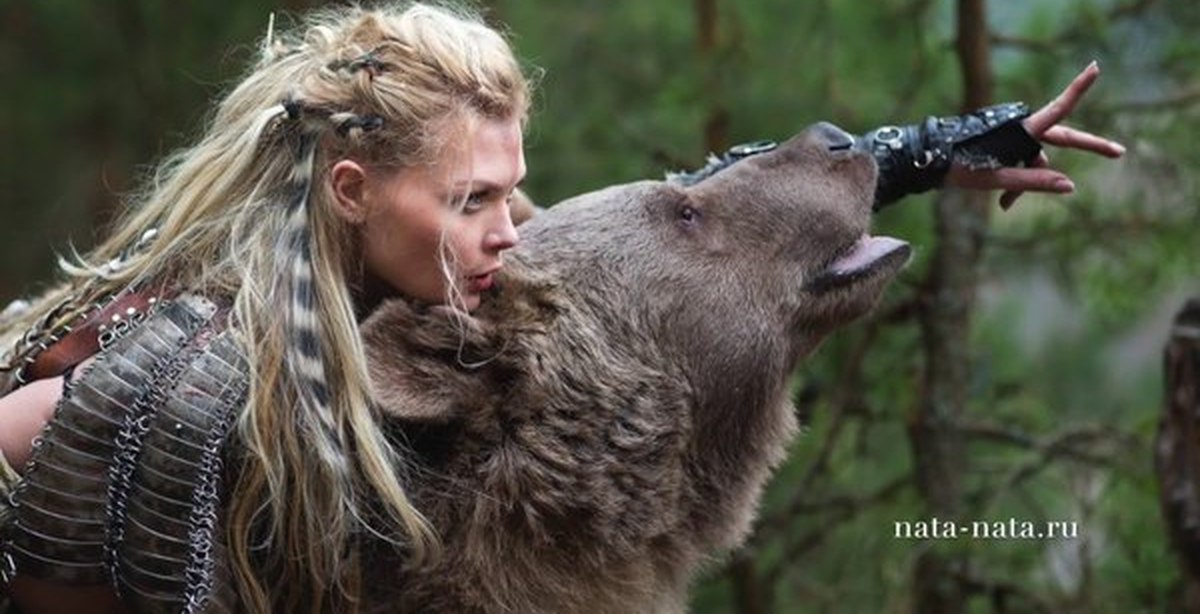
(916, 158)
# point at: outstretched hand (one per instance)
(1044, 125)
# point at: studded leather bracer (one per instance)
(916, 158)
(123, 486)
(716, 164)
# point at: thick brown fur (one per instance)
(604, 424)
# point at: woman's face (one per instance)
(408, 211)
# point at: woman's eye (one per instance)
(475, 201)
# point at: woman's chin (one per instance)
(471, 300)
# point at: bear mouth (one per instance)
(862, 259)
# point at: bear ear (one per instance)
(410, 360)
(403, 398)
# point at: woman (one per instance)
(340, 170)
(375, 154)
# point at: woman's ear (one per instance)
(348, 178)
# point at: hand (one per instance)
(1044, 126)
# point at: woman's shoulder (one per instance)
(152, 412)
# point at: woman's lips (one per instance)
(480, 283)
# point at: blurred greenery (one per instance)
(1072, 309)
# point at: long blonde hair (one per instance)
(247, 214)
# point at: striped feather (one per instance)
(305, 355)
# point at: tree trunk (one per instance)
(751, 596)
(945, 317)
(716, 122)
(1177, 451)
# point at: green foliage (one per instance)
(95, 94)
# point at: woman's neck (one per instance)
(369, 293)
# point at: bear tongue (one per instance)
(865, 252)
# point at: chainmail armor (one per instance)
(123, 486)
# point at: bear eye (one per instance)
(689, 214)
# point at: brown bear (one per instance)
(604, 424)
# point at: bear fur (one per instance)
(603, 425)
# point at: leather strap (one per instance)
(85, 340)
(715, 164)
(915, 158)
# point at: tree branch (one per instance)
(1171, 102)
(1063, 444)
(1037, 45)
(843, 509)
(1076, 32)
(1075, 444)
(1000, 593)
(1110, 232)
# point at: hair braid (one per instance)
(247, 213)
(305, 356)
(317, 425)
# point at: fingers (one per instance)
(1063, 136)
(1009, 197)
(1044, 126)
(1062, 106)
(1014, 180)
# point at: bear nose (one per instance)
(833, 137)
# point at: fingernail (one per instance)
(1094, 64)
(1118, 147)
(1066, 186)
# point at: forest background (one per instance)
(1013, 372)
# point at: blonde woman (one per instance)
(374, 153)
(207, 357)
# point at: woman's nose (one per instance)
(503, 234)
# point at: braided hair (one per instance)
(247, 213)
